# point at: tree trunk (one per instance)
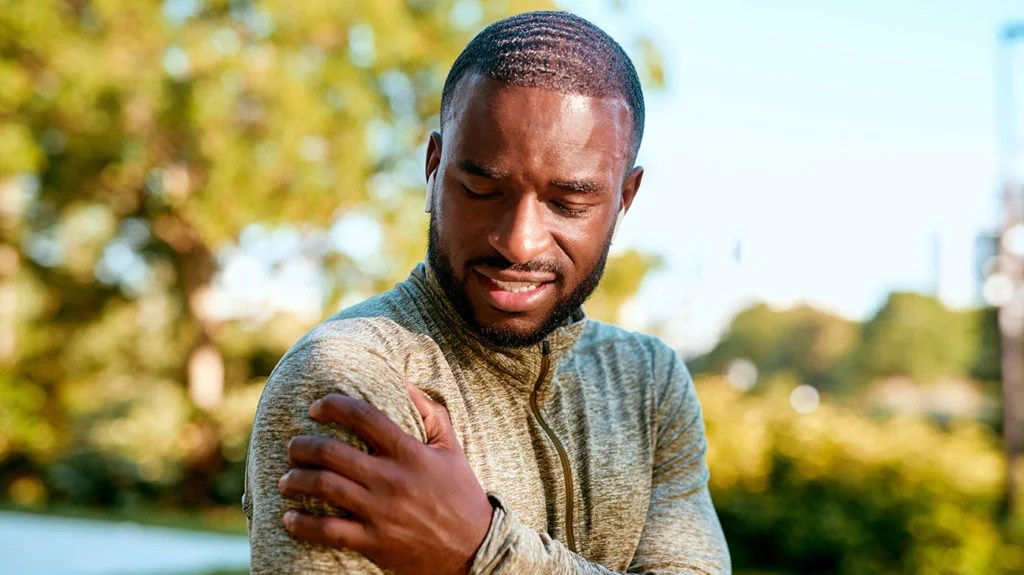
(204, 369)
(8, 303)
(205, 364)
(11, 209)
(1011, 328)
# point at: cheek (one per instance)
(465, 222)
(460, 233)
(583, 242)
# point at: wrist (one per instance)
(481, 521)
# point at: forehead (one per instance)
(490, 118)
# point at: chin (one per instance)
(509, 331)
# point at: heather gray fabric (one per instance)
(621, 404)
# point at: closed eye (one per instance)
(571, 209)
(477, 195)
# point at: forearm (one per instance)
(512, 548)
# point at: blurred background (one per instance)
(829, 231)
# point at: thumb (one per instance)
(436, 421)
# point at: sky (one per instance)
(802, 151)
(841, 149)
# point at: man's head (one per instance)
(541, 117)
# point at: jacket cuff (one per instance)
(498, 543)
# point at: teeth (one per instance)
(516, 287)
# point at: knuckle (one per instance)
(441, 412)
(299, 479)
(327, 452)
(333, 404)
(335, 535)
(331, 452)
(316, 449)
(321, 482)
(364, 411)
(399, 484)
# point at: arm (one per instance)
(681, 533)
(309, 372)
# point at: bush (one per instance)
(839, 492)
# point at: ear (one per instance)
(433, 162)
(433, 159)
(630, 186)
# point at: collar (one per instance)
(519, 366)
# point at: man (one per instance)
(563, 444)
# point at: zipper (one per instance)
(545, 365)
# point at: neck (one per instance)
(457, 338)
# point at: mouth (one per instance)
(514, 294)
(516, 287)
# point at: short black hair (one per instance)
(553, 50)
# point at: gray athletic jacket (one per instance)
(591, 443)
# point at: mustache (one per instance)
(531, 266)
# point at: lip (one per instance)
(507, 276)
(514, 302)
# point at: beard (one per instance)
(496, 335)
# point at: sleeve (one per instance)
(681, 535)
(312, 370)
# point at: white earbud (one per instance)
(618, 220)
(430, 192)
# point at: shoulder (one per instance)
(362, 351)
(628, 362)
(385, 326)
(629, 349)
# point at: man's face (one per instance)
(528, 185)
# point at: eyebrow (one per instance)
(471, 167)
(575, 186)
(579, 186)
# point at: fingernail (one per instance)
(289, 518)
(314, 408)
(281, 481)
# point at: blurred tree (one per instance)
(139, 144)
(622, 278)
(142, 137)
(916, 336)
(810, 343)
(987, 367)
(835, 491)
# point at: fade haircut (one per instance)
(556, 51)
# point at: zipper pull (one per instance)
(545, 347)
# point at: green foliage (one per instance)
(141, 142)
(916, 336)
(622, 278)
(987, 366)
(138, 139)
(805, 341)
(911, 335)
(837, 492)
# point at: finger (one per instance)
(423, 404)
(332, 454)
(362, 418)
(327, 486)
(327, 530)
(436, 420)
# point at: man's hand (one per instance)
(416, 508)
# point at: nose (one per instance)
(521, 233)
